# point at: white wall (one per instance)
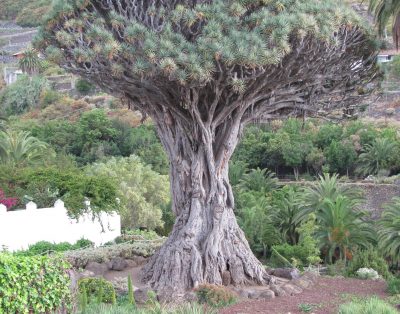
(19, 229)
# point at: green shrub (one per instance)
(45, 247)
(215, 296)
(370, 306)
(337, 269)
(33, 284)
(83, 86)
(368, 258)
(97, 288)
(393, 286)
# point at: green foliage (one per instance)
(389, 230)
(393, 286)
(83, 300)
(83, 86)
(97, 288)
(21, 96)
(26, 12)
(262, 181)
(19, 148)
(304, 253)
(376, 156)
(33, 284)
(368, 258)
(306, 307)
(342, 228)
(215, 296)
(45, 247)
(44, 185)
(369, 306)
(142, 191)
(131, 296)
(30, 62)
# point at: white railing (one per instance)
(21, 228)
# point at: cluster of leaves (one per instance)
(311, 147)
(192, 37)
(142, 191)
(45, 247)
(368, 258)
(372, 305)
(37, 284)
(98, 288)
(7, 201)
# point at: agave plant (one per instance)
(389, 230)
(19, 147)
(341, 228)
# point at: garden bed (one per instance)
(324, 297)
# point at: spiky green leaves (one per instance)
(186, 43)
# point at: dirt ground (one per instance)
(325, 296)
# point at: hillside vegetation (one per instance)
(24, 12)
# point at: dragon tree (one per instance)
(203, 70)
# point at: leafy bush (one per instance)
(369, 306)
(368, 258)
(367, 273)
(393, 286)
(43, 247)
(33, 284)
(215, 296)
(98, 288)
(21, 96)
(83, 86)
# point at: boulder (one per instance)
(267, 294)
(279, 292)
(131, 263)
(118, 263)
(291, 289)
(302, 283)
(288, 273)
(97, 268)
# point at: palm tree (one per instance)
(259, 181)
(30, 62)
(386, 10)
(376, 156)
(341, 228)
(327, 187)
(19, 148)
(389, 230)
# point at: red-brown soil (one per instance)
(326, 296)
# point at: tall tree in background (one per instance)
(385, 10)
(202, 70)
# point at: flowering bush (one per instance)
(367, 273)
(7, 201)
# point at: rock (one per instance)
(131, 263)
(291, 289)
(312, 276)
(98, 269)
(243, 293)
(74, 276)
(141, 295)
(302, 283)
(253, 294)
(279, 292)
(267, 294)
(118, 263)
(289, 273)
(139, 260)
(226, 278)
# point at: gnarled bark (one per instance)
(206, 240)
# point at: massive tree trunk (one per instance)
(206, 242)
